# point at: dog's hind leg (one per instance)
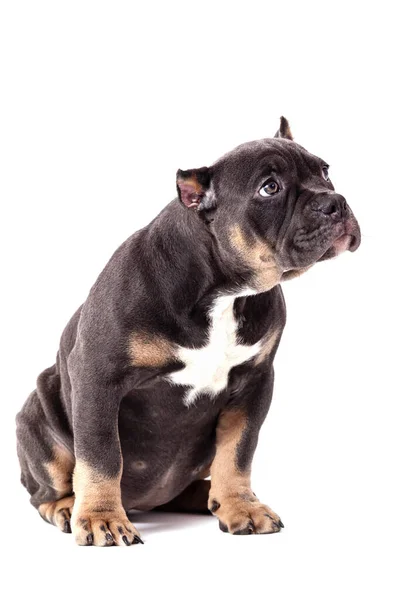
(46, 463)
(193, 499)
(58, 513)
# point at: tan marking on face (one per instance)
(294, 273)
(60, 470)
(259, 257)
(149, 350)
(269, 343)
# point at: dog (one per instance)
(164, 375)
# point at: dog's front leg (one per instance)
(231, 498)
(98, 517)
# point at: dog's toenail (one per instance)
(137, 540)
(67, 527)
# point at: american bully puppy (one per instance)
(164, 375)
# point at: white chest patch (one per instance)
(207, 368)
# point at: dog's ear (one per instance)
(194, 188)
(284, 130)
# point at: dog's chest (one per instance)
(207, 368)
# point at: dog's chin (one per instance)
(349, 240)
(341, 244)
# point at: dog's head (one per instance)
(272, 209)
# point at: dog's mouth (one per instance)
(349, 240)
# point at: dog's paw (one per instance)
(245, 516)
(111, 528)
(58, 513)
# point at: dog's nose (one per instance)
(333, 205)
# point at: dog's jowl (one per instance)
(164, 375)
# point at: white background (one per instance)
(101, 102)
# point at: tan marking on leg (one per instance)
(149, 350)
(94, 490)
(231, 498)
(98, 517)
(269, 344)
(258, 256)
(60, 470)
(225, 475)
(58, 513)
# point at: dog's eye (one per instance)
(325, 172)
(269, 188)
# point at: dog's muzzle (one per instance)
(345, 229)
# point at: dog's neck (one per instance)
(184, 243)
